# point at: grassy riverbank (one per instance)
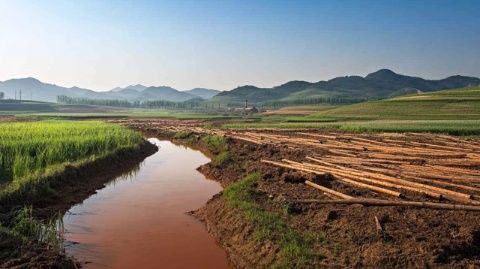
(49, 162)
(34, 150)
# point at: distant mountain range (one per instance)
(33, 89)
(380, 84)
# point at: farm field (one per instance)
(26, 110)
(36, 149)
(40, 164)
(240, 134)
(301, 189)
(300, 178)
(454, 112)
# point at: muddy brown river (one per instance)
(140, 221)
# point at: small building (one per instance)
(247, 110)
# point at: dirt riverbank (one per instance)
(345, 235)
(71, 187)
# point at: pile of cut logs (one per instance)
(436, 166)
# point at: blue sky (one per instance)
(224, 44)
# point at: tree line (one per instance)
(189, 104)
(314, 101)
(200, 104)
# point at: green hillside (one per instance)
(462, 104)
(341, 90)
(455, 112)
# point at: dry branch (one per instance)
(327, 190)
(379, 202)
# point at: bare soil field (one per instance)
(378, 200)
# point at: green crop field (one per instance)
(455, 112)
(32, 150)
(456, 104)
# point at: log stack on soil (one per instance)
(421, 189)
(389, 164)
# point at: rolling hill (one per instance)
(381, 84)
(34, 89)
(203, 93)
(461, 104)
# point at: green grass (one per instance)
(127, 113)
(281, 125)
(452, 127)
(182, 135)
(25, 230)
(30, 229)
(455, 112)
(296, 250)
(31, 154)
(218, 146)
(31, 151)
(215, 143)
(222, 159)
(456, 104)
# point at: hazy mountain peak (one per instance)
(345, 89)
(137, 87)
(382, 74)
(24, 80)
(203, 93)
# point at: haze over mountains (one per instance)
(33, 89)
(380, 84)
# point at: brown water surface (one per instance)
(139, 221)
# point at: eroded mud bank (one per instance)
(63, 191)
(140, 220)
(346, 236)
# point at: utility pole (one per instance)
(20, 95)
(15, 94)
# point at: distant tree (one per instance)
(163, 104)
(86, 101)
(2, 95)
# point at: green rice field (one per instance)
(32, 150)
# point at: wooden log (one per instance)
(346, 177)
(400, 181)
(327, 190)
(371, 187)
(437, 175)
(342, 152)
(376, 181)
(318, 135)
(292, 167)
(420, 178)
(344, 180)
(380, 202)
(347, 160)
(248, 140)
(355, 182)
(458, 172)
